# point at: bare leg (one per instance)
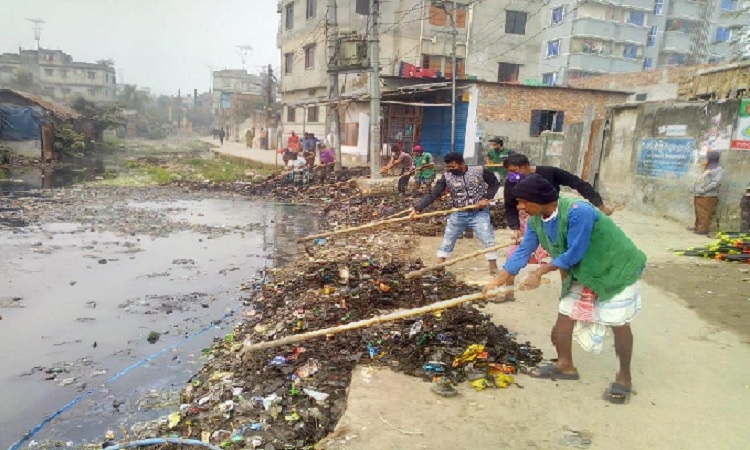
(624, 351)
(562, 338)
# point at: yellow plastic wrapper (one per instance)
(470, 354)
(480, 384)
(504, 380)
(174, 420)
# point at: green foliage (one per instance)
(68, 140)
(101, 117)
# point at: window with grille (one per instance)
(651, 39)
(729, 5)
(558, 15)
(507, 72)
(553, 48)
(288, 62)
(659, 7)
(310, 57)
(636, 18)
(515, 22)
(648, 63)
(312, 114)
(291, 114)
(310, 10)
(289, 16)
(723, 34)
(545, 120)
(548, 79)
(630, 51)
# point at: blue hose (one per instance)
(27, 437)
(157, 441)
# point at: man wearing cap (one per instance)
(601, 269)
(473, 185)
(404, 162)
(495, 157)
(424, 167)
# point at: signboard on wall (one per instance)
(669, 156)
(741, 139)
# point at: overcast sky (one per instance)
(162, 44)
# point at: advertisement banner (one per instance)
(741, 139)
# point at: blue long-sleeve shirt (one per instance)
(581, 219)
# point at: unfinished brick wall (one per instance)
(514, 103)
(623, 81)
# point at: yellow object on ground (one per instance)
(470, 354)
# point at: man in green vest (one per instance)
(424, 169)
(495, 157)
(601, 270)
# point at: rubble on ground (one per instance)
(292, 396)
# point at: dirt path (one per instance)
(689, 370)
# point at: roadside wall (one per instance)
(652, 155)
(659, 84)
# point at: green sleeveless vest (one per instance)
(612, 261)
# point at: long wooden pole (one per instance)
(385, 222)
(445, 304)
(450, 262)
(400, 213)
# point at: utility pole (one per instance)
(374, 92)
(269, 106)
(332, 118)
(453, 81)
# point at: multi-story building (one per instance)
(496, 40)
(593, 37)
(55, 74)
(236, 96)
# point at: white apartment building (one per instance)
(58, 76)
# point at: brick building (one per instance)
(659, 84)
(415, 112)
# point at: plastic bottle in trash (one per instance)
(415, 328)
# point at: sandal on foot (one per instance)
(617, 394)
(507, 298)
(551, 372)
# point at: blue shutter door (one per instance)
(435, 134)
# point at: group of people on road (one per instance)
(600, 265)
(299, 159)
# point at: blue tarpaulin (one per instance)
(20, 123)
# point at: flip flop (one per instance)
(551, 372)
(617, 394)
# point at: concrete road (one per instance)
(238, 150)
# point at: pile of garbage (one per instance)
(292, 396)
(732, 247)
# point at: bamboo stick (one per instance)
(398, 214)
(385, 222)
(397, 315)
(450, 262)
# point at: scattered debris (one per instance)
(153, 337)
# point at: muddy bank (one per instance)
(293, 396)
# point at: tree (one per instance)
(24, 81)
(100, 117)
